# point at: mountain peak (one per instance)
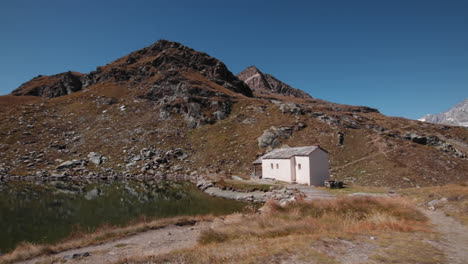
(164, 44)
(264, 83)
(456, 116)
(252, 69)
(163, 58)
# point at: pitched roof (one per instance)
(258, 161)
(286, 153)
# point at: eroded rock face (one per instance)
(51, 86)
(267, 84)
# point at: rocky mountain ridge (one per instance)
(181, 79)
(52, 86)
(265, 84)
(169, 112)
(142, 67)
(456, 116)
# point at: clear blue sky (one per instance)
(406, 58)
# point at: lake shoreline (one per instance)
(48, 212)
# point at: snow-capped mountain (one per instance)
(456, 116)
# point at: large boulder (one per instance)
(272, 136)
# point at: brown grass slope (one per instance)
(169, 96)
(226, 147)
(345, 230)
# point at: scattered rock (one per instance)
(291, 108)
(433, 204)
(249, 120)
(95, 158)
(93, 194)
(203, 184)
(57, 145)
(71, 164)
(76, 256)
(101, 100)
(237, 178)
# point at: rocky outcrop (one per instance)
(178, 95)
(167, 59)
(272, 136)
(51, 86)
(187, 82)
(173, 55)
(436, 142)
(263, 83)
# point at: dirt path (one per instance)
(337, 168)
(454, 236)
(152, 242)
(310, 192)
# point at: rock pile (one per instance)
(283, 195)
(151, 160)
(436, 142)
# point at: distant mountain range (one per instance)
(456, 116)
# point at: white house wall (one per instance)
(319, 172)
(302, 174)
(282, 173)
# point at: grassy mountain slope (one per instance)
(141, 109)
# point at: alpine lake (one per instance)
(46, 213)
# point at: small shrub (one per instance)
(211, 236)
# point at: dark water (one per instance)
(48, 213)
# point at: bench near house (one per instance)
(305, 165)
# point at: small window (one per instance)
(277, 166)
(271, 165)
(299, 166)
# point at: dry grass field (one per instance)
(343, 230)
